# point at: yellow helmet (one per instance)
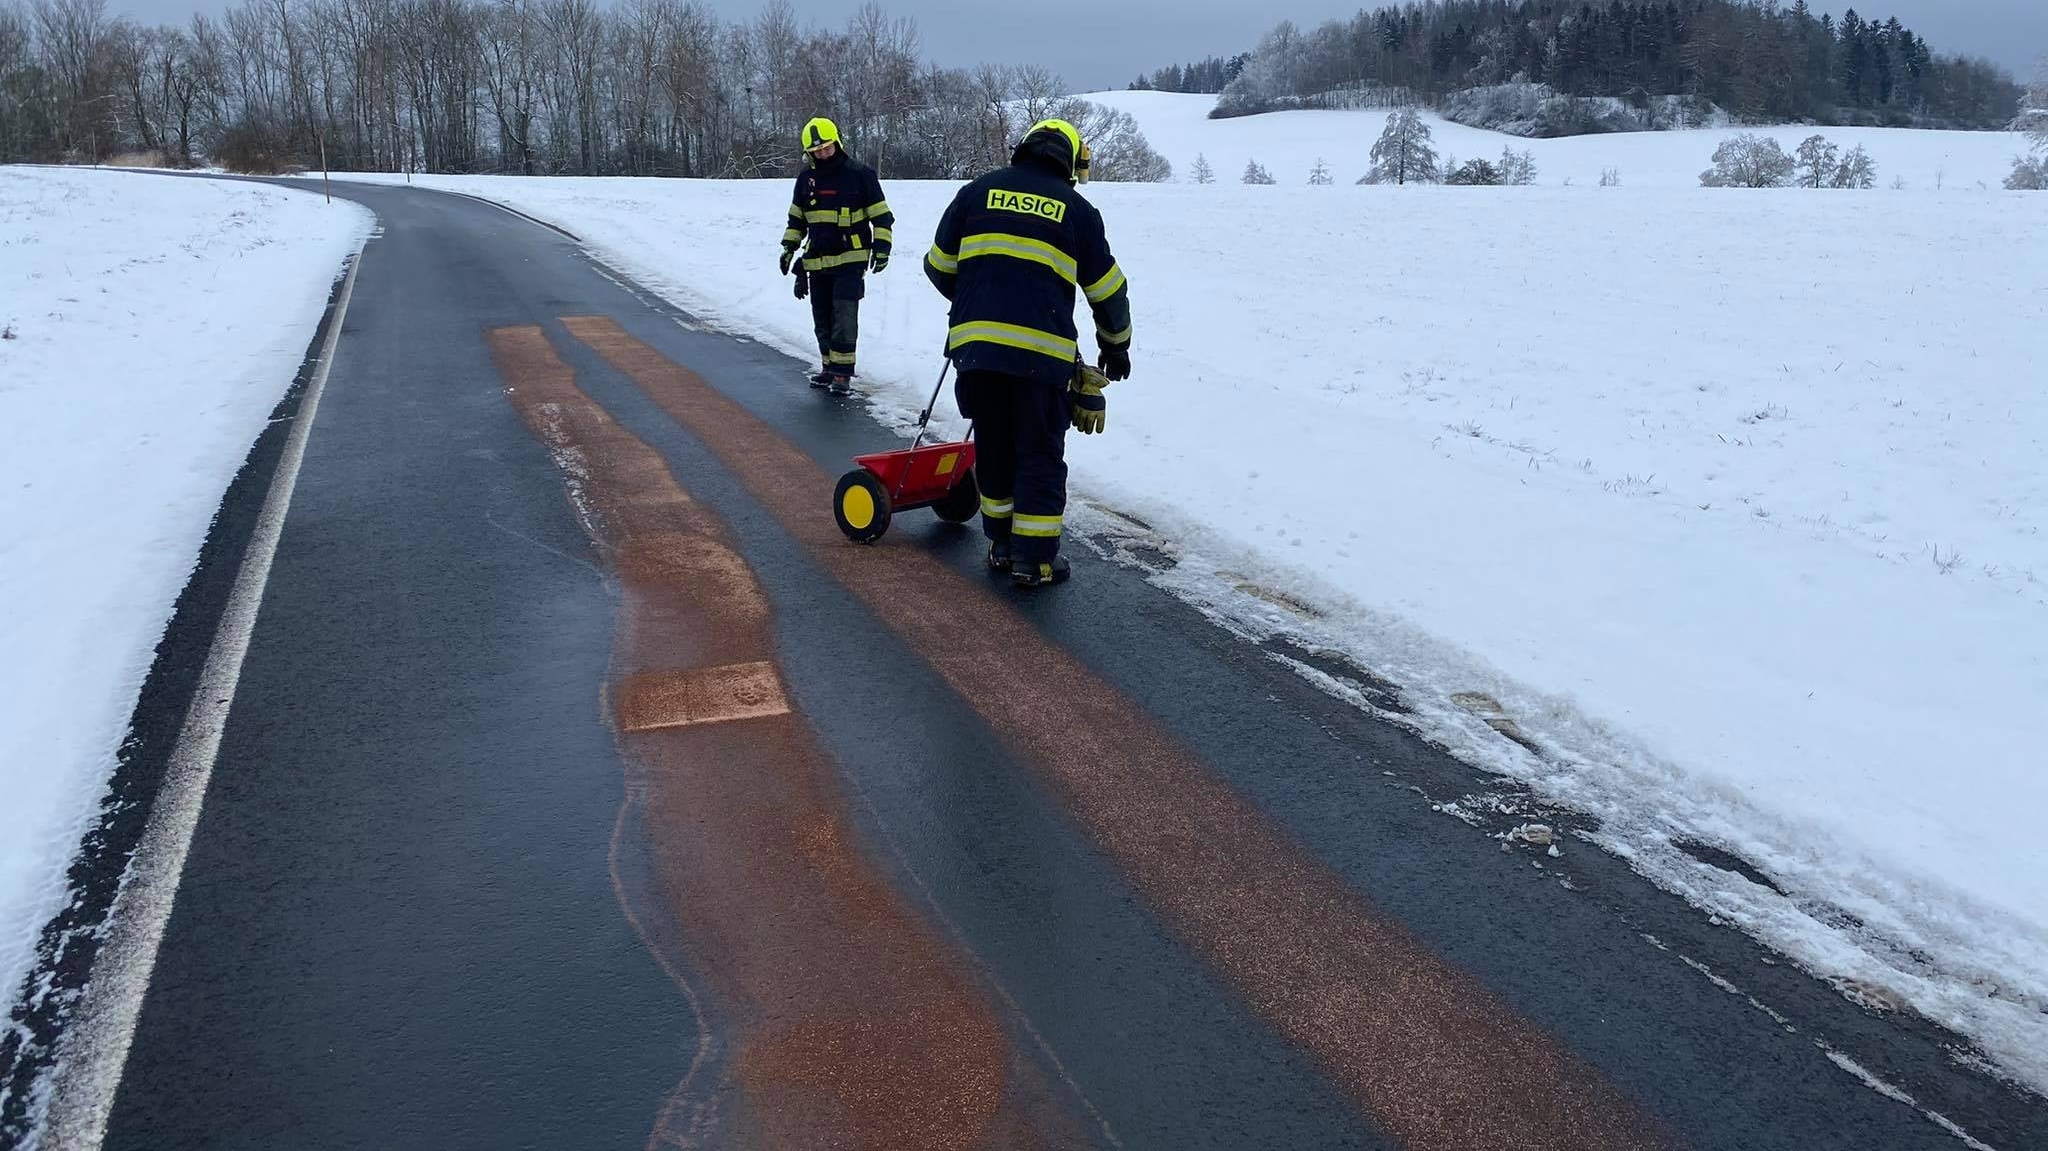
(818, 133)
(1077, 152)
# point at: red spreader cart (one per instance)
(935, 476)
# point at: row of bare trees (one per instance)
(642, 87)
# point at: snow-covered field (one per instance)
(1734, 501)
(148, 325)
(1288, 144)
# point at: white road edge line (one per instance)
(93, 1052)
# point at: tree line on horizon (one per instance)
(641, 87)
(1755, 59)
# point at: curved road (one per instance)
(584, 789)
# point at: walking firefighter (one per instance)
(840, 220)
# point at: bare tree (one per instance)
(777, 42)
(1474, 173)
(74, 37)
(573, 38)
(2030, 172)
(510, 45)
(2033, 117)
(1817, 160)
(132, 56)
(26, 130)
(1273, 74)
(998, 122)
(1121, 153)
(1403, 154)
(1749, 161)
(880, 79)
(1857, 170)
(1517, 166)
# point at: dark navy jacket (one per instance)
(1010, 254)
(839, 216)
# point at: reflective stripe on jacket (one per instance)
(837, 214)
(1011, 252)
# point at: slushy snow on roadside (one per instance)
(1731, 500)
(148, 327)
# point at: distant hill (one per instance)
(1622, 65)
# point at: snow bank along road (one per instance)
(148, 327)
(1730, 502)
(583, 788)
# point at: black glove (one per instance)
(803, 282)
(879, 261)
(1115, 363)
(788, 254)
(1086, 408)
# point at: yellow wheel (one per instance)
(861, 506)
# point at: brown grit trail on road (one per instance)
(1423, 1048)
(856, 1025)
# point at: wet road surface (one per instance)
(584, 788)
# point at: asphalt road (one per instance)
(583, 789)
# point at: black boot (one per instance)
(822, 377)
(999, 556)
(842, 385)
(1039, 575)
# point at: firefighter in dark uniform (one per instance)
(841, 221)
(1011, 252)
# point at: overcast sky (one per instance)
(1106, 43)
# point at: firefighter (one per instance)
(842, 223)
(1010, 254)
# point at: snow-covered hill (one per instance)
(1288, 144)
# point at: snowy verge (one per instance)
(1730, 502)
(148, 327)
